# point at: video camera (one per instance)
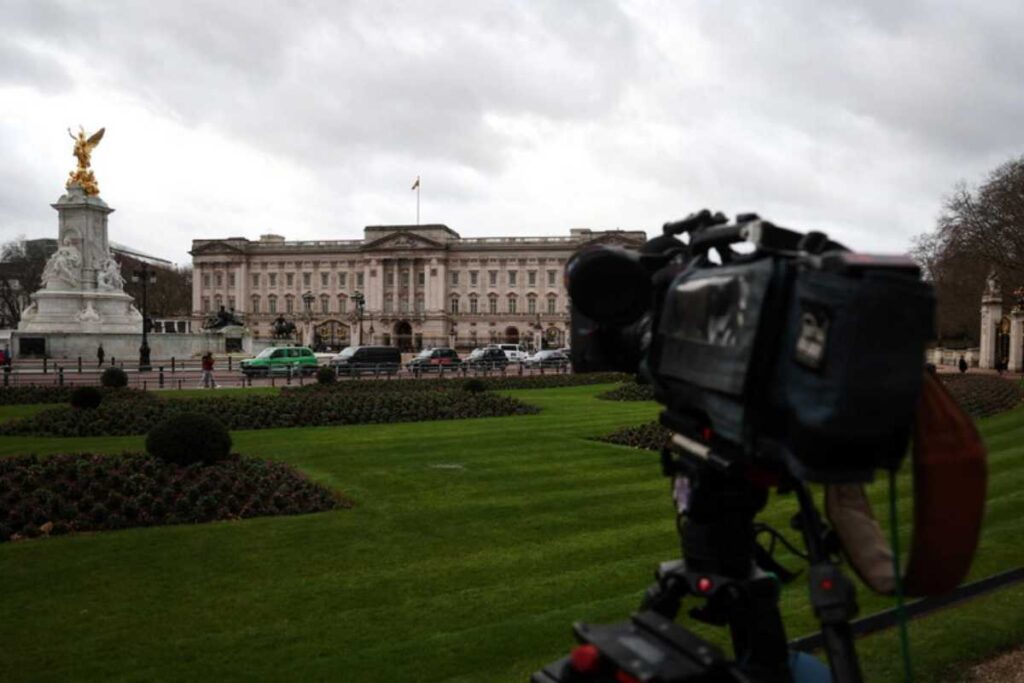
(789, 361)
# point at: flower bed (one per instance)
(67, 493)
(30, 394)
(291, 409)
(982, 395)
(455, 381)
(650, 435)
(630, 391)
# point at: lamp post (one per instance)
(144, 275)
(307, 302)
(360, 302)
(371, 333)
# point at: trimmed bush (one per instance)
(32, 394)
(114, 378)
(474, 386)
(188, 439)
(86, 397)
(67, 493)
(326, 375)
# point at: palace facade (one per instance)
(421, 285)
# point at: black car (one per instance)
(432, 360)
(493, 358)
(364, 360)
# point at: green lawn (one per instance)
(472, 547)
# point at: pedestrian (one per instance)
(100, 355)
(208, 381)
(962, 364)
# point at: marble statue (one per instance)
(63, 268)
(108, 276)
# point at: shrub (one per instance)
(630, 391)
(115, 378)
(651, 436)
(189, 438)
(326, 375)
(86, 397)
(982, 395)
(474, 386)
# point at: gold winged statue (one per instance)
(84, 146)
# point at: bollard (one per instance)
(179, 385)
(440, 371)
(60, 376)
(113, 361)
(173, 369)
(301, 375)
(143, 385)
(161, 377)
(229, 363)
(79, 365)
(289, 374)
(46, 367)
(7, 376)
(520, 368)
(272, 381)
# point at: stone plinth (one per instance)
(1016, 360)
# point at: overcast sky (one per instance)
(313, 119)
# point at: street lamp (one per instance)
(144, 275)
(307, 302)
(360, 302)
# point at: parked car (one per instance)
(357, 360)
(296, 359)
(431, 360)
(549, 358)
(488, 358)
(515, 352)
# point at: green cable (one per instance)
(908, 674)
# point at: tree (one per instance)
(168, 296)
(977, 233)
(21, 273)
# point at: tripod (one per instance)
(717, 501)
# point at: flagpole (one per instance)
(417, 200)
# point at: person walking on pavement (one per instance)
(100, 355)
(208, 381)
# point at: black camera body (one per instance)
(799, 355)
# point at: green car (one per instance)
(281, 359)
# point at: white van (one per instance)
(514, 352)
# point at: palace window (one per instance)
(405, 278)
(512, 278)
(342, 280)
(419, 304)
(389, 278)
(231, 303)
(531, 278)
(325, 279)
(273, 279)
(256, 280)
(403, 305)
(342, 303)
(231, 280)
(455, 278)
(493, 277)
(552, 303)
(513, 303)
(306, 279)
(218, 280)
(289, 304)
(206, 279)
(218, 301)
(421, 278)
(256, 303)
(492, 304)
(271, 304)
(289, 279)
(359, 279)
(388, 304)
(472, 278)
(206, 304)
(472, 304)
(325, 303)
(552, 277)
(531, 304)
(454, 304)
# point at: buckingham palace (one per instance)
(409, 286)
